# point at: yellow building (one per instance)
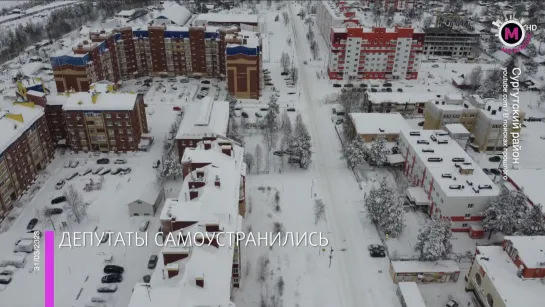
(489, 126)
(439, 113)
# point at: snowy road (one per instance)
(360, 281)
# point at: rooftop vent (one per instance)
(458, 159)
(428, 150)
(381, 130)
(485, 187)
(414, 133)
(422, 142)
(475, 190)
(435, 159)
(488, 108)
(466, 106)
(438, 96)
(436, 102)
(446, 175)
(442, 142)
(456, 187)
(469, 182)
(441, 133)
(493, 112)
(443, 102)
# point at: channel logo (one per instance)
(513, 34)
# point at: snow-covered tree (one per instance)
(493, 46)
(75, 206)
(286, 124)
(249, 160)
(531, 50)
(301, 143)
(384, 209)
(378, 152)
(285, 61)
(492, 85)
(258, 158)
(171, 167)
(505, 212)
(314, 49)
(433, 240)
(355, 152)
(533, 223)
(531, 67)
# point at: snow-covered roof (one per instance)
(82, 101)
(402, 98)
(11, 128)
(455, 129)
(226, 18)
(204, 118)
(174, 12)
(30, 69)
(126, 13)
(148, 192)
(251, 39)
(530, 250)
(526, 179)
(35, 93)
(502, 273)
(496, 111)
(438, 160)
(56, 100)
(418, 195)
(446, 266)
(102, 86)
(411, 294)
(379, 123)
(211, 264)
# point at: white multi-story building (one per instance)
(455, 185)
(333, 14)
(358, 53)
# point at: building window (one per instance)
(464, 225)
(235, 280)
(470, 205)
(490, 300)
(235, 271)
(467, 216)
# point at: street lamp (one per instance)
(312, 186)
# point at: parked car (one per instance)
(374, 90)
(389, 89)
(67, 164)
(144, 226)
(148, 81)
(112, 278)
(400, 90)
(284, 73)
(387, 84)
(156, 164)
(337, 85)
(486, 171)
(292, 93)
(60, 184)
(494, 159)
(87, 171)
(184, 80)
(171, 80)
(244, 114)
(420, 124)
(290, 109)
(117, 171)
(125, 171)
(152, 262)
(383, 90)
(293, 160)
(120, 161)
(8, 270)
(291, 85)
(106, 171)
(72, 176)
(377, 254)
(269, 83)
(205, 82)
(98, 299)
(5, 279)
(339, 121)
(176, 108)
(452, 303)
(74, 164)
(53, 211)
(495, 171)
(116, 269)
(146, 278)
(103, 161)
(435, 65)
(258, 115)
(31, 224)
(106, 288)
(372, 247)
(98, 170)
(58, 200)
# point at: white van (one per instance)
(24, 245)
(17, 260)
(98, 299)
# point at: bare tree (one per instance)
(249, 160)
(289, 41)
(286, 18)
(263, 272)
(258, 158)
(285, 61)
(302, 13)
(294, 74)
(475, 77)
(314, 49)
(42, 214)
(319, 210)
(74, 205)
(280, 285)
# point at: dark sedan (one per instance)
(152, 262)
(377, 253)
(32, 224)
(103, 161)
(112, 278)
(58, 200)
(113, 269)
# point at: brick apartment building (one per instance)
(159, 50)
(104, 122)
(358, 53)
(25, 149)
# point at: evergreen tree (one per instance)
(505, 212)
(355, 152)
(384, 209)
(533, 223)
(492, 85)
(433, 240)
(531, 67)
(378, 151)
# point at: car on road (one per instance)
(494, 159)
(31, 224)
(58, 200)
(74, 164)
(452, 303)
(106, 288)
(156, 164)
(98, 170)
(120, 161)
(373, 247)
(152, 262)
(244, 114)
(59, 184)
(112, 278)
(377, 254)
(103, 161)
(400, 90)
(117, 171)
(146, 278)
(72, 176)
(258, 115)
(113, 269)
(5, 279)
(53, 211)
(176, 108)
(106, 171)
(278, 153)
(144, 226)
(87, 171)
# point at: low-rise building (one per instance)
(243, 21)
(369, 126)
(439, 113)
(444, 41)
(456, 186)
(204, 121)
(398, 102)
(490, 125)
(25, 149)
(424, 271)
(511, 275)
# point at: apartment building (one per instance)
(334, 14)
(456, 187)
(489, 127)
(104, 122)
(243, 64)
(398, 102)
(439, 113)
(510, 275)
(389, 5)
(25, 149)
(453, 43)
(205, 121)
(369, 126)
(205, 270)
(358, 53)
(160, 50)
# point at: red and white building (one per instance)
(396, 5)
(441, 171)
(358, 53)
(334, 14)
